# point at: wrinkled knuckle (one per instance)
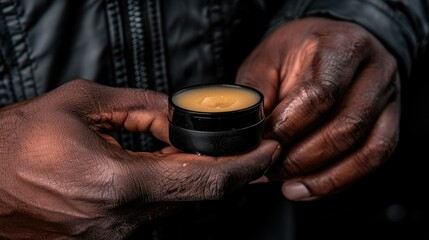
(312, 100)
(320, 97)
(351, 129)
(329, 85)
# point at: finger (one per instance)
(110, 108)
(332, 61)
(260, 72)
(347, 129)
(187, 177)
(378, 147)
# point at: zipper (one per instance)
(157, 45)
(145, 55)
(135, 30)
(145, 45)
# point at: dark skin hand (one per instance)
(332, 97)
(62, 175)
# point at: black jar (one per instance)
(226, 130)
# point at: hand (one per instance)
(62, 175)
(332, 96)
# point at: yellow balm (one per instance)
(221, 98)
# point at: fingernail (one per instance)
(295, 191)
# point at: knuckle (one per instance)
(311, 102)
(343, 47)
(354, 39)
(78, 85)
(319, 97)
(350, 130)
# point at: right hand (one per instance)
(332, 96)
(61, 174)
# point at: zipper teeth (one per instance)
(135, 19)
(120, 71)
(158, 51)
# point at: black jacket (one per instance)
(165, 45)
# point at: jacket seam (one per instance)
(21, 71)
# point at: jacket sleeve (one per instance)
(401, 25)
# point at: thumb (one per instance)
(187, 177)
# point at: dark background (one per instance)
(392, 203)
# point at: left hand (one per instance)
(62, 175)
(332, 98)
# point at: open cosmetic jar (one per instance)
(216, 119)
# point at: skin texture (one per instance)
(332, 97)
(63, 175)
